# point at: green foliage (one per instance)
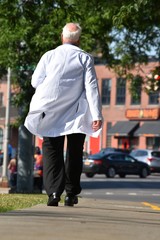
(136, 83)
(123, 31)
(29, 28)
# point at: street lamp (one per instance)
(6, 132)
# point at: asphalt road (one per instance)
(132, 188)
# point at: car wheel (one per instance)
(122, 175)
(111, 172)
(144, 173)
(89, 175)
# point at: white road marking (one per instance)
(87, 193)
(129, 194)
(109, 193)
(133, 194)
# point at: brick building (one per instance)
(13, 133)
(128, 123)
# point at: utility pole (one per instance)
(25, 161)
(6, 132)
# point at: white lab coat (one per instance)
(67, 98)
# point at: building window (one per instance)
(1, 139)
(1, 99)
(136, 100)
(153, 143)
(106, 91)
(153, 98)
(121, 91)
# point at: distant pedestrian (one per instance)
(12, 167)
(10, 151)
(38, 171)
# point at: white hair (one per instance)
(72, 35)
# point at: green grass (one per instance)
(9, 202)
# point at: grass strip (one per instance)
(9, 202)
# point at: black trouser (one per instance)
(60, 175)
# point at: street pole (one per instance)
(25, 161)
(6, 132)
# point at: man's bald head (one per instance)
(71, 33)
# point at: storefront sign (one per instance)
(145, 113)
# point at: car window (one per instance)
(116, 157)
(128, 158)
(140, 153)
(144, 153)
(104, 150)
(133, 153)
(156, 154)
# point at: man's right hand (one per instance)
(96, 125)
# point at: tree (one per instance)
(126, 32)
(122, 31)
(139, 23)
(29, 28)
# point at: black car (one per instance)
(112, 149)
(114, 163)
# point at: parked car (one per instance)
(85, 155)
(112, 149)
(114, 163)
(151, 157)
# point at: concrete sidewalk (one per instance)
(91, 219)
(4, 190)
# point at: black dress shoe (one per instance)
(53, 200)
(70, 200)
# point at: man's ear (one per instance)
(62, 38)
(77, 43)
